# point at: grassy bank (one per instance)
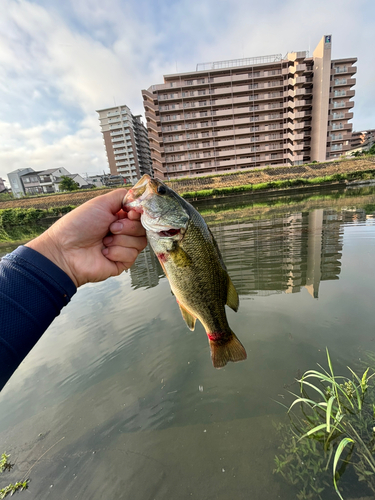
(21, 224)
(281, 184)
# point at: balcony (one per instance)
(300, 68)
(113, 113)
(117, 139)
(120, 132)
(302, 114)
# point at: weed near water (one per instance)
(333, 432)
(12, 488)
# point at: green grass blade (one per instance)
(310, 402)
(330, 363)
(328, 413)
(319, 427)
(313, 387)
(354, 375)
(336, 458)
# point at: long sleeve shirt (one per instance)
(33, 290)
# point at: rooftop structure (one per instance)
(253, 112)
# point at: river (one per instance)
(119, 400)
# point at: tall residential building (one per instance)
(126, 143)
(248, 113)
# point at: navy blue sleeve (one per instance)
(33, 290)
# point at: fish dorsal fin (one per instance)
(232, 296)
(189, 318)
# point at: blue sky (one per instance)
(62, 60)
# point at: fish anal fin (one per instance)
(188, 317)
(232, 296)
(226, 349)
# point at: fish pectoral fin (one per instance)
(189, 318)
(180, 257)
(228, 349)
(232, 296)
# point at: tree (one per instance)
(67, 184)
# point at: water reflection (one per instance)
(281, 254)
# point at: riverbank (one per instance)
(275, 179)
(270, 180)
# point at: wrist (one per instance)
(45, 245)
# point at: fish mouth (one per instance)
(136, 194)
(169, 233)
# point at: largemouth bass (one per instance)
(192, 262)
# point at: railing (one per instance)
(234, 63)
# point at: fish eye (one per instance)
(162, 189)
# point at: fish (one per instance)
(192, 262)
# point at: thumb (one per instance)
(114, 199)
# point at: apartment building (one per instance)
(126, 143)
(248, 113)
(363, 139)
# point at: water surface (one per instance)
(132, 392)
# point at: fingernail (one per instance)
(116, 227)
(105, 251)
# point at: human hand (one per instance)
(94, 241)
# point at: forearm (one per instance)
(33, 290)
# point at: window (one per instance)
(201, 92)
(338, 104)
(192, 93)
(200, 80)
(204, 124)
(253, 86)
(202, 103)
(203, 113)
(189, 82)
(341, 69)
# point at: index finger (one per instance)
(128, 227)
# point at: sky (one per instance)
(61, 60)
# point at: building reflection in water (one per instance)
(267, 256)
(147, 270)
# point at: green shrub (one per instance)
(26, 216)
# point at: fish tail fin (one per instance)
(226, 349)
